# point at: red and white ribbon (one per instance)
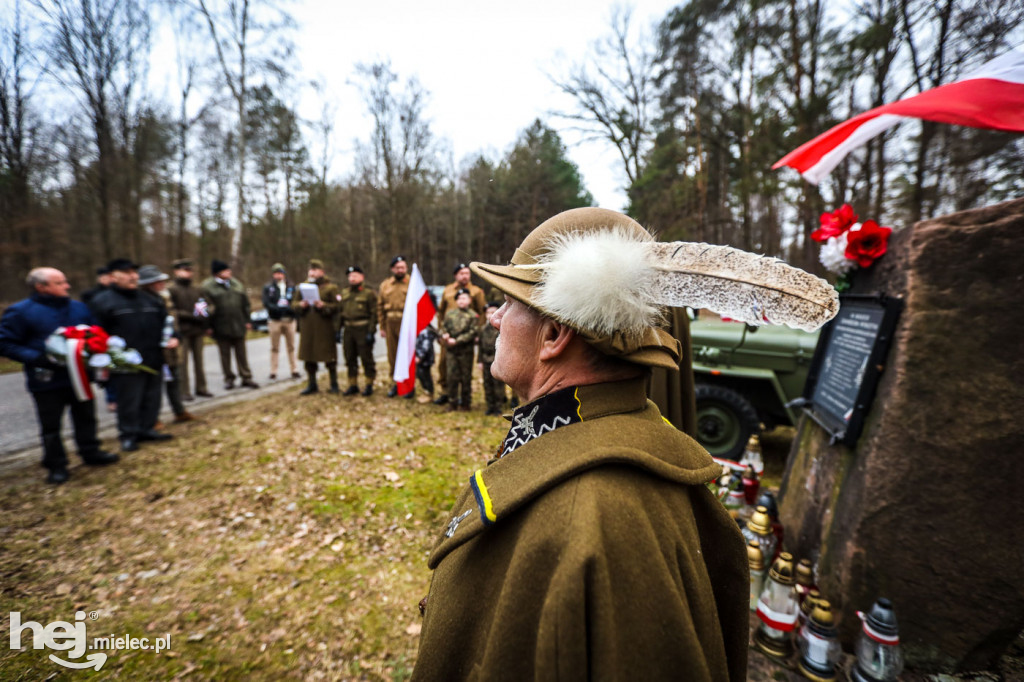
(776, 619)
(77, 370)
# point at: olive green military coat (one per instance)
(229, 308)
(317, 326)
(590, 551)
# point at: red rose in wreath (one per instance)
(73, 333)
(835, 223)
(96, 341)
(867, 244)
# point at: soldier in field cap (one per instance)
(589, 546)
(317, 323)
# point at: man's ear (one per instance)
(555, 339)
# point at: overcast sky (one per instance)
(483, 63)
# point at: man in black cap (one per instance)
(139, 319)
(193, 315)
(359, 325)
(229, 320)
(478, 304)
(102, 282)
(390, 306)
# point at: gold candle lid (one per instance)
(760, 523)
(807, 605)
(782, 570)
(804, 573)
(822, 613)
(755, 557)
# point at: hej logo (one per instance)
(59, 636)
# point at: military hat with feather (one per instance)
(605, 276)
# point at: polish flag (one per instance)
(416, 315)
(991, 97)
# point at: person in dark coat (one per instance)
(102, 282)
(24, 328)
(139, 318)
(229, 321)
(590, 546)
(191, 311)
(317, 325)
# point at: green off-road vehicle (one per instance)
(745, 376)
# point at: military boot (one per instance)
(351, 390)
(333, 373)
(311, 388)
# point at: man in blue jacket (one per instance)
(24, 328)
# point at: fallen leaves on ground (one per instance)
(282, 538)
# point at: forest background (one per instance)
(93, 165)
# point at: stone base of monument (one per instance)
(927, 508)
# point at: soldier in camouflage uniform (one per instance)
(459, 332)
(358, 323)
(494, 390)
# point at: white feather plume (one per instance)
(614, 280)
(599, 281)
(741, 285)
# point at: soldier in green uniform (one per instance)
(359, 324)
(589, 546)
(459, 331)
(494, 390)
(316, 327)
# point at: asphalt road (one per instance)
(19, 429)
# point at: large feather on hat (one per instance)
(613, 281)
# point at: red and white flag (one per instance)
(991, 97)
(416, 315)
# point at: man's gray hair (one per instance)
(36, 276)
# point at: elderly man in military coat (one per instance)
(589, 547)
(317, 324)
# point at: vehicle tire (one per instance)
(725, 421)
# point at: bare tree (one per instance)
(99, 48)
(614, 94)
(251, 37)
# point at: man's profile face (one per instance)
(104, 280)
(125, 279)
(355, 278)
(56, 285)
(517, 346)
(399, 269)
(278, 276)
(462, 277)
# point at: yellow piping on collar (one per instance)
(579, 404)
(485, 498)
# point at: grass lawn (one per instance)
(7, 366)
(283, 538)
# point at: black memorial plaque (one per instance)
(848, 362)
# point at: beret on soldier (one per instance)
(458, 267)
(354, 268)
(218, 266)
(462, 291)
(396, 260)
(316, 263)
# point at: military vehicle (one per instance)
(744, 378)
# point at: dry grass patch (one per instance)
(283, 538)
